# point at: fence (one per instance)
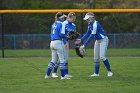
(41, 41)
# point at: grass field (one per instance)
(89, 52)
(26, 74)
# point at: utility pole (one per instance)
(2, 29)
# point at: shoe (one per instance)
(54, 75)
(110, 74)
(94, 75)
(46, 76)
(65, 78)
(69, 76)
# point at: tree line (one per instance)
(41, 23)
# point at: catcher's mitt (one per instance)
(73, 35)
(80, 51)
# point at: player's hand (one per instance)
(78, 41)
(82, 47)
(66, 45)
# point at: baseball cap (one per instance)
(88, 15)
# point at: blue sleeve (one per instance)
(65, 41)
(63, 35)
(89, 39)
(86, 35)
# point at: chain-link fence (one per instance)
(31, 31)
(41, 41)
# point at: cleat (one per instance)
(69, 76)
(62, 78)
(46, 76)
(110, 74)
(94, 75)
(54, 75)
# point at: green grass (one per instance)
(26, 74)
(89, 52)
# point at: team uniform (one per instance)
(95, 31)
(66, 28)
(57, 49)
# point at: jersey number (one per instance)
(54, 30)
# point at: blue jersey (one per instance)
(67, 27)
(56, 31)
(94, 31)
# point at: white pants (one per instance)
(67, 52)
(58, 51)
(100, 48)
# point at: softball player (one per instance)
(101, 43)
(67, 26)
(57, 47)
(54, 74)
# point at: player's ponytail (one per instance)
(55, 21)
(59, 16)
